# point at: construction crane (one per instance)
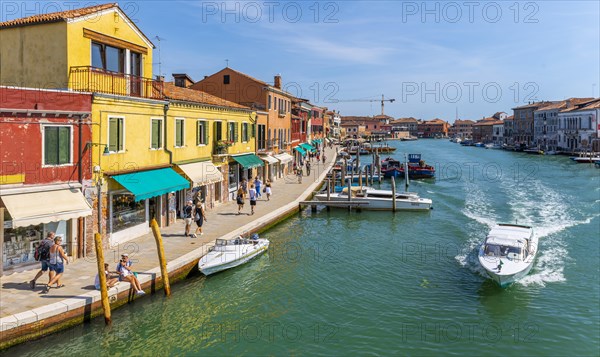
(382, 100)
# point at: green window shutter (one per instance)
(253, 130)
(198, 132)
(64, 145)
(205, 132)
(155, 139)
(236, 130)
(113, 134)
(178, 132)
(120, 134)
(50, 146)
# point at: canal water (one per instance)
(377, 283)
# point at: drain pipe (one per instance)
(169, 152)
(166, 148)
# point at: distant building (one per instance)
(578, 127)
(523, 131)
(545, 123)
(436, 128)
(462, 129)
(483, 130)
(508, 131)
(402, 125)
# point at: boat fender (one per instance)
(254, 236)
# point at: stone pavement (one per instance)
(16, 297)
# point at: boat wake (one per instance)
(478, 208)
(531, 203)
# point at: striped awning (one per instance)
(270, 159)
(202, 173)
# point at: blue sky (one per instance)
(434, 58)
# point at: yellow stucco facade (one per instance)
(34, 56)
(42, 55)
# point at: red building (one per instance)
(45, 138)
(436, 128)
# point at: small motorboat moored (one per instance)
(508, 252)
(381, 200)
(229, 253)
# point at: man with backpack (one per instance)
(42, 254)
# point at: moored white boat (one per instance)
(508, 252)
(229, 253)
(379, 199)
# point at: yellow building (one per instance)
(147, 140)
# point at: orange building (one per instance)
(436, 128)
(272, 104)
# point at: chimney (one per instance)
(278, 81)
(568, 103)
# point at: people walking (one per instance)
(57, 260)
(307, 168)
(258, 185)
(244, 186)
(253, 195)
(323, 158)
(299, 174)
(187, 216)
(43, 251)
(199, 218)
(268, 190)
(240, 199)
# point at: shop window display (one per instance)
(126, 212)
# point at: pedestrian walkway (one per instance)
(16, 296)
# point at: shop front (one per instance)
(136, 198)
(206, 180)
(246, 163)
(285, 163)
(268, 170)
(29, 216)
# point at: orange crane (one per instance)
(382, 100)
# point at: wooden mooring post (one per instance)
(102, 276)
(161, 257)
(393, 194)
(349, 183)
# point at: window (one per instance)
(57, 145)
(156, 140)
(232, 132)
(201, 132)
(218, 131)
(116, 134)
(226, 79)
(179, 132)
(269, 103)
(274, 103)
(108, 57)
(245, 132)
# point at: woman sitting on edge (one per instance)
(126, 274)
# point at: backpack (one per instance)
(42, 252)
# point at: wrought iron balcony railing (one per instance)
(90, 79)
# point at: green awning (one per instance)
(318, 141)
(249, 161)
(147, 184)
(307, 147)
(300, 150)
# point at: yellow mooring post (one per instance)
(161, 257)
(393, 194)
(102, 276)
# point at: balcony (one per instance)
(90, 79)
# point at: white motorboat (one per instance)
(229, 253)
(508, 252)
(379, 199)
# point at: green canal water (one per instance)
(377, 283)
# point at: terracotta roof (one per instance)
(192, 95)
(592, 104)
(512, 117)
(404, 120)
(434, 121)
(536, 105)
(243, 75)
(563, 103)
(57, 16)
(463, 121)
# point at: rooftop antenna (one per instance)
(227, 63)
(159, 39)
